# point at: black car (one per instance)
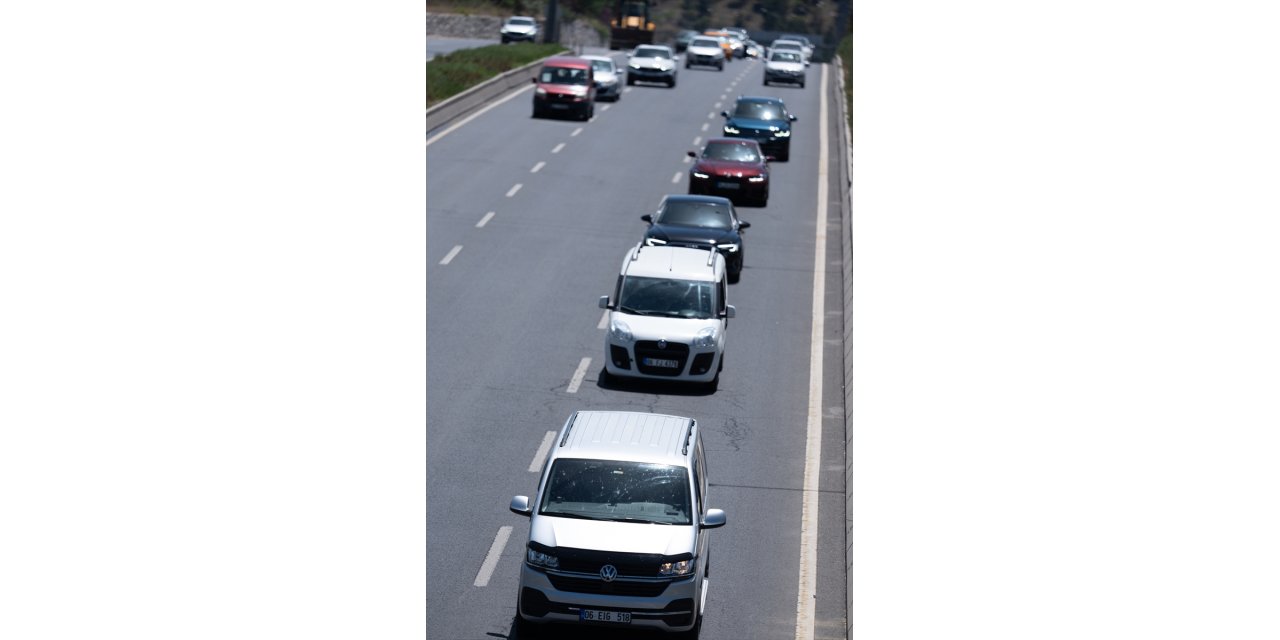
(764, 120)
(683, 38)
(705, 222)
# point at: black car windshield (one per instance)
(667, 297)
(785, 56)
(562, 75)
(616, 490)
(733, 151)
(705, 42)
(521, 22)
(758, 111)
(652, 52)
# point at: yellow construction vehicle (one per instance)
(631, 25)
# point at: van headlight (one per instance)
(706, 339)
(540, 559)
(682, 568)
(619, 332)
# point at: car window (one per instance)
(602, 65)
(758, 111)
(617, 490)
(704, 42)
(785, 56)
(562, 75)
(644, 52)
(668, 297)
(711, 215)
(730, 151)
(522, 22)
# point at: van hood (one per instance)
(623, 537)
(660, 328)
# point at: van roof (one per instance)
(684, 263)
(628, 435)
(571, 62)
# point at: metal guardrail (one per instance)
(439, 115)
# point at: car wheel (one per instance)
(712, 387)
(686, 65)
(671, 84)
(630, 81)
(786, 153)
(801, 85)
(766, 82)
(720, 67)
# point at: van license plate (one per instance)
(657, 362)
(592, 615)
(727, 185)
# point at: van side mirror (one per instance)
(730, 311)
(520, 506)
(793, 118)
(604, 302)
(715, 518)
(692, 154)
(743, 224)
(724, 114)
(648, 217)
(534, 80)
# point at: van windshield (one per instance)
(562, 75)
(617, 490)
(667, 297)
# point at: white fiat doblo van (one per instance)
(618, 526)
(668, 316)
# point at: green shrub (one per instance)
(453, 73)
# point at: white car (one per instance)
(790, 45)
(606, 77)
(519, 29)
(652, 63)
(705, 52)
(668, 315)
(784, 66)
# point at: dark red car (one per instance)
(731, 167)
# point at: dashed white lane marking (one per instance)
(711, 115)
(543, 449)
(807, 592)
(675, 178)
(452, 252)
(537, 167)
(724, 96)
(514, 189)
(605, 108)
(604, 320)
(575, 132)
(576, 380)
(718, 104)
(706, 125)
(485, 220)
(697, 140)
(491, 560)
(476, 115)
(558, 148)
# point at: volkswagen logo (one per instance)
(608, 573)
(662, 344)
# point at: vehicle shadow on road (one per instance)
(575, 632)
(655, 387)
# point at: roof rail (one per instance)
(635, 255)
(568, 427)
(684, 451)
(711, 256)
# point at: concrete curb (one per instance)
(441, 114)
(846, 251)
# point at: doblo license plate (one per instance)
(658, 362)
(592, 615)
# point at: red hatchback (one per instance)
(565, 85)
(731, 167)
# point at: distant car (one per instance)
(519, 29)
(704, 51)
(731, 167)
(803, 40)
(652, 63)
(784, 66)
(565, 84)
(754, 49)
(608, 84)
(683, 38)
(789, 45)
(764, 120)
(725, 42)
(702, 222)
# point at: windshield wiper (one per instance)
(569, 514)
(635, 519)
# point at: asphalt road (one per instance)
(527, 224)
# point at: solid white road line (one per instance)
(576, 380)
(491, 560)
(476, 115)
(543, 449)
(558, 148)
(575, 132)
(452, 252)
(805, 600)
(537, 167)
(485, 220)
(676, 178)
(514, 189)
(604, 320)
